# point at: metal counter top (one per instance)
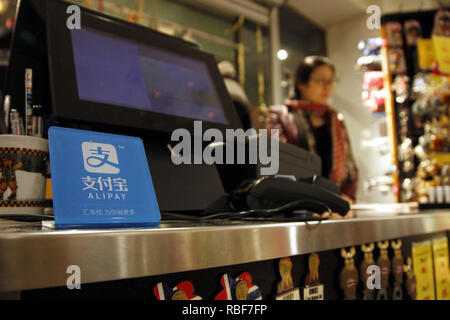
(32, 256)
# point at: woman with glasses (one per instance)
(308, 122)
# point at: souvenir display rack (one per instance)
(417, 110)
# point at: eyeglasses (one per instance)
(325, 82)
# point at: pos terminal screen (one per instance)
(120, 72)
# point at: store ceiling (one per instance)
(328, 12)
(325, 13)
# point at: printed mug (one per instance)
(23, 169)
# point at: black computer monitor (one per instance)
(118, 73)
(115, 76)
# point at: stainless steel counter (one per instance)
(35, 257)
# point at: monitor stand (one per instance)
(180, 187)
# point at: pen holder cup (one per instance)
(23, 169)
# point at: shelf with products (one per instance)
(373, 93)
(418, 102)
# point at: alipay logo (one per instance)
(100, 158)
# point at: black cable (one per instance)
(263, 213)
(178, 216)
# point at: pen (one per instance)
(37, 121)
(28, 98)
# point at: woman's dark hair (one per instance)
(306, 68)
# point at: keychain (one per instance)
(385, 266)
(285, 288)
(349, 274)
(313, 290)
(413, 32)
(442, 23)
(368, 261)
(411, 283)
(397, 269)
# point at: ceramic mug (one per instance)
(23, 166)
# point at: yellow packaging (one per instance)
(441, 268)
(426, 54)
(423, 270)
(442, 52)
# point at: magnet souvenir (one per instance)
(183, 291)
(285, 288)
(240, 288)
(313, 290)
(349, 274)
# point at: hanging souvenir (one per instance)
(411, 283)
(371, 46)
(349, 274)
(313, 290)
(404, 119)
(394, 34)
(397, 61)
(442, 23)
(427, 172)
(240, 288)
(406, 155)
(413, 31)
(401, 88)
(285, 288)
(420, 85)
(183, 291)
(397, 269)
(368, 261)
(385, 266)
(409, 189)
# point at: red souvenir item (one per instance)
(183, 291)
(240, 288)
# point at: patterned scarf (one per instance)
(338, 135)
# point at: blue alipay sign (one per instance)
(100, 180)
